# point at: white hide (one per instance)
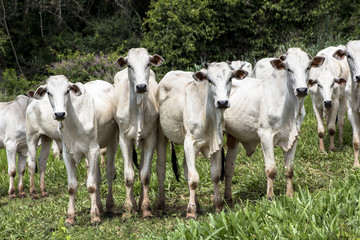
(269, 111)
(327, 86)
(13, 139)
(192, 114)
(137, 116)
(263, 68)
(242, 65)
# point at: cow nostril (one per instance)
(302, 91)
(141, 88)
(328, 104)
(357, 78)
(59, 115)
(223, 103)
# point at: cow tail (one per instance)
(175, 166)
(222, 164)
(135, 159)
(36, 167)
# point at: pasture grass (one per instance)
(325, 205)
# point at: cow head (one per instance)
(219, 77)
(58, 89)
(138, 62)
(297, 64)
(325, 83)
(352, 52)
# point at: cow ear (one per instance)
(75, 89)
(200, 76)
(310, 57)
(156, 60)
(40, 92)
(317, 61)
(239, 74)
(121, 62)
(278, 64)
(312, 83)
(282, 57)
(340, 81)
(30, 93)
(339, 54)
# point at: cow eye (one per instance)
(129, 66)
(319, 85)
(290, 70)
(148, 65)
(67, 91)
(332, 85)
(48, 93)
(210, 81)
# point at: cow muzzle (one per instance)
(59, 116)
(328, 104)
(301, 92)
(222, 104)
(141, 88)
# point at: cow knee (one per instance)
(331, 131)
(271, 173)
(91, 189)
(72, 188)
(145, 179)
(290, 173)
(321, 134)
(193, 181)
(12, 172)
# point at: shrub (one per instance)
(13, 84)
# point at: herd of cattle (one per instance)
(264, 105)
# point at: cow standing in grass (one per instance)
(352, 91)
(13, 139)
(191, 108)
(137, 117)
(327, 89)
(271, 116)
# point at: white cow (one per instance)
(192, 114)
(13, 139)
(137, 117)
(242, 65)
(352, 90)
(327, 89)
(263, 68)
(82, 131)
(269, 112)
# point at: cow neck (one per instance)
(138, 109)
(216, 118)
(355, 89)
(292, 108)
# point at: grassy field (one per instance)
(326, 203)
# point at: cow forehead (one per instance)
(57, 82)
(219, 71)
(138, 56)
(295, 58)
(353, 47)
(325, 78)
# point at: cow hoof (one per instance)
(190, 218)
(44, 194)
(333, 149)
(34, 195)
(95, 223)
(126, 216)
(22, 195)
(12, 195)
(146, 214)
(161, 206)
(69, 223)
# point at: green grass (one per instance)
(325, 205)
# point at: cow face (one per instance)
(138, 62)
(58, 89)
(326, 85)
(297, 64)
(352, 52)
(219, 77)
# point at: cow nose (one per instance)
(328, 104)
(59, 115)
(223, 103)
(301, 92)
(141, 88)
(357, 78)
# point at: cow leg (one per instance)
(270, 165)
(193, 176)
(321, 128)
(341, 120)
(110, 175)
(32, 143)
(93, 184)
(356, 141)
(149, 146)
(102, 156)
(129, 175)
(72, 185)
(330, 123)
(186, 179)
(289, 169)
(43, 156)
(21, 171)
(215, 174)
(233, 148)
(161, 167)
(11, 158)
